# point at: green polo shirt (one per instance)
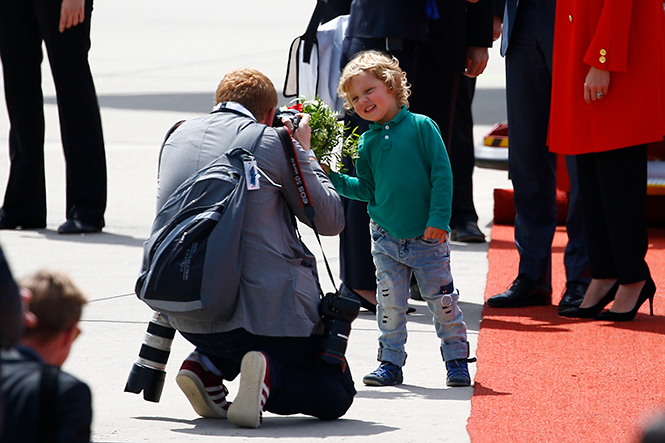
(404, 174)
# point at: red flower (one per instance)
(297, 107)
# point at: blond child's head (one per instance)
(382, 66)
(250, 88)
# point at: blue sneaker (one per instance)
(458, 373)
(387, 374)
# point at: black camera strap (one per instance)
(305, 200)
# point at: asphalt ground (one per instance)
(158, 62)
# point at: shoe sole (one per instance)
(245, 410)
(458, 384)
(192, 387)
(374, 382)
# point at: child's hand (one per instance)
(435, 234)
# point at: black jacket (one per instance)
(21, 377)
(461, 24)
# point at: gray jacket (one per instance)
(278, 290)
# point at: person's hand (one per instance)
(435, 234)
(496, 30)
(476, 61)
(596, 85)
(72, 13)
(29, 318)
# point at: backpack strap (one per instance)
(305, 200)
(309, 37)
(48, 404)
(247, 139)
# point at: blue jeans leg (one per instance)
(395, 260)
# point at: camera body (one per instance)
(287, 113)
(337, 313)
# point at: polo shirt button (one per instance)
(387, 137)
(387, 127)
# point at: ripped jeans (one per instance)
(429, 261)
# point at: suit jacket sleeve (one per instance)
(335, 8)
(499, 7)
(480, 23)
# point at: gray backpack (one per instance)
(192, 259)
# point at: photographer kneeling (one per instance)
(275, 336)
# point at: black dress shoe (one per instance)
(8, 224)
(590, 311)
(574, 295)
(414, 292)
(72, 226)
(523, 292)
(350, 293)
(647, 293)
(468, 232)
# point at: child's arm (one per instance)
(435, 234)
(356, 188)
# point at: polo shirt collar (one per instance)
(402, 114)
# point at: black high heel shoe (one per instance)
(647, 293)
(591, 310)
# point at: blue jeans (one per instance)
(429, 260)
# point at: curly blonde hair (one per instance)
(250, 88)
(384, 67)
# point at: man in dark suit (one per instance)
(42, 402)
(527, 42)
(456, 51)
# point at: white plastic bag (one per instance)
(319, 75)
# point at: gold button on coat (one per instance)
(570, 17)
(603, 52)
(602, 59)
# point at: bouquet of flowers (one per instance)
(329, 141)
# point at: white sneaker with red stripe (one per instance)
(246, 411)
(204, 390)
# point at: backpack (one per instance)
(192, 259)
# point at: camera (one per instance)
(148, 373)
(287, 113)
(337, 313)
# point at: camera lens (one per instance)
(148, 373)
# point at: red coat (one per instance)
(626, 37)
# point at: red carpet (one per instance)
(542, 378)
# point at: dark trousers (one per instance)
(356, 264)
(446, 99)
(299, 384)
(23, 26)
(532, 167)
(613, 190)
